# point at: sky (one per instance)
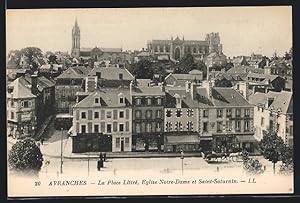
(243, 30)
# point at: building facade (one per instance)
(102, 122)
(175, 49)
(147, 117)
(273, 113)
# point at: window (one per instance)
(121, 127)
(205, 127)
(168, 126)
(25, 104)
(138, 101)
(228, 125)
(12, 115)
(96, 100)
(190, 112)
(219, 126)
(120, 76)
(228, 112)
(158, 114)
(118, 142)
(190, 126)
(138, 114)
(148, 127)
(158, 127)
(262, 122)
(96, 128)
(238, 125)
(96, 115)
(205, 113)
(149, 114)
(108, 114)
(83, 129)
(178, 126)
(168, 113)
(159, 101)
(246, 127)
(219, 113)
(83, 115)
(148, 101)
(121, 114)
(138, 127)
(12, 103)
(121, 100)
(161, 49)
(126, 141)
(108, 128)
(238, 113)
(247, 112)
(178, 112)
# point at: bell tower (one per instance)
(75, 40)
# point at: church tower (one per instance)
(75, 40)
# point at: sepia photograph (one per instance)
(149, 101)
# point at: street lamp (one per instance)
(181, 157)
(61, 151)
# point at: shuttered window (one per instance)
(115, 114)
(127, 126)
(115, 126)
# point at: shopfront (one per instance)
(187, 143)
(147, 142)
(92, 142)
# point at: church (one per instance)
(113, 55)
(175, 49)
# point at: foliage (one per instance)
(272, 146)
(31, 54)
(287, 160)
(25, 156)
(52, 59)
(251, 166)
(142, 69)
(15, 56)
(187, 63)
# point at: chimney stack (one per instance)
(208, 85)
(163, 87)
(193, 90)
(34, 89)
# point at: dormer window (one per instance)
(178, 100)
(121, 100)
(120, 76)
(158, 101)
(97, 100)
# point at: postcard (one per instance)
(149, 101)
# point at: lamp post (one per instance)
(61, 152)
(181, 157)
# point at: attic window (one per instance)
(121, 100)
(120, 76)
(97, 100)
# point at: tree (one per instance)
(287, 159)
(31, 54)
(14, 56)
(143, 69)
(25, 156)
(52, 59)
(272, 147)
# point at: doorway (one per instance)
(122, 145)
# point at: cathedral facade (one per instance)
(114, 55)
(175, 49)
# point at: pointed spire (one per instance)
(183, 38)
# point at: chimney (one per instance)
(163, 87)
(267, 62)
(187, 86)
(34, 89)
(131, 89)
(193, 90)
(208, 85)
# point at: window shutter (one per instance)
(102, 127)
(102, 114)
(77, 114)
(90, 127)
(90, 114)
(115, 126)
(115, 116)
(77, 127)
(127, 126)
(127, 113)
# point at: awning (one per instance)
(183, 139)
(246, 138)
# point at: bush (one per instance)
(25, 156)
